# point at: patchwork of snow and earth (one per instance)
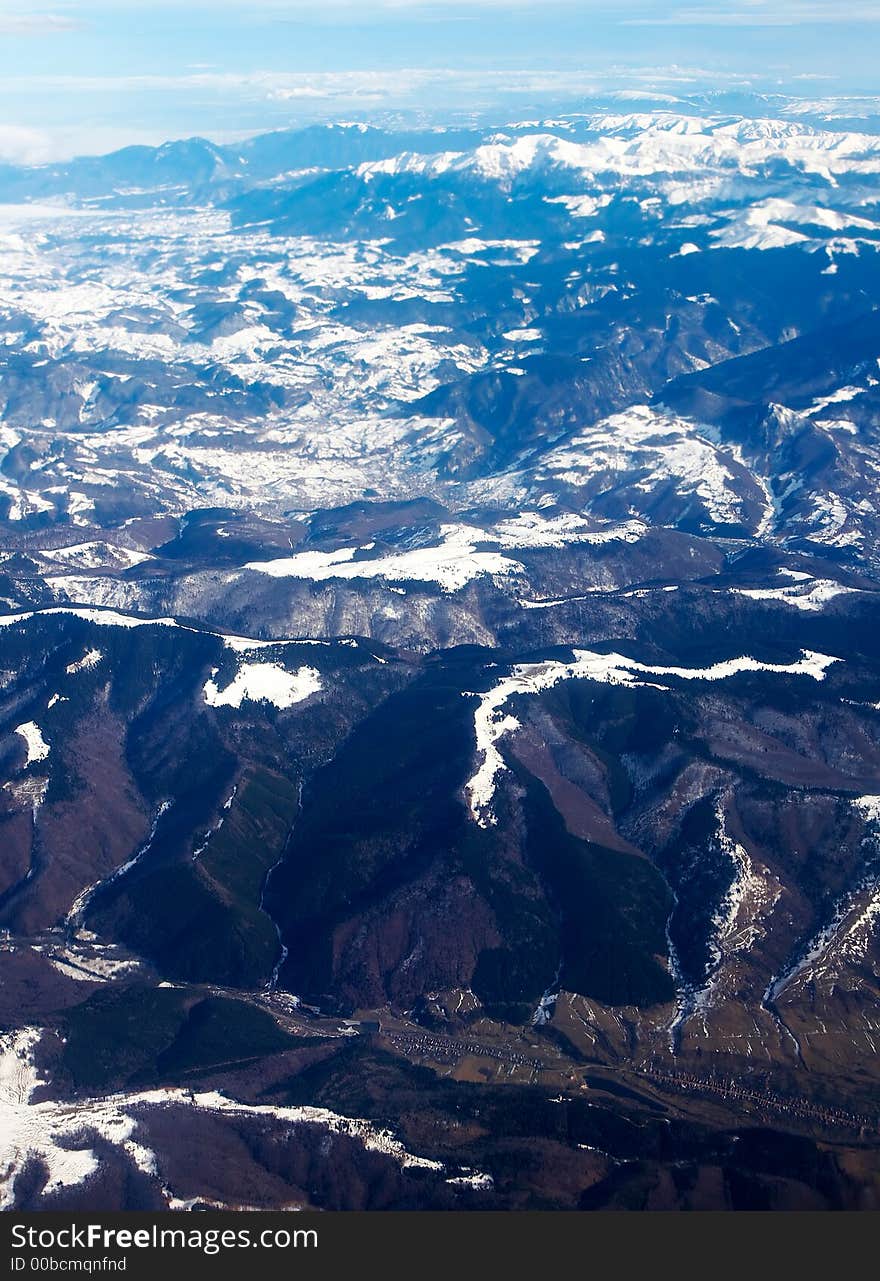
(304, 349)
(845, 935)
(451, 565)
(812, 595)
(652, 448)
(83, 957)
(739, 921)
(95, 555)
(460, 556)
(58, 1134)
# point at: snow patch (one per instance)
(37, 747)
(265, 682)
(811, 596)
(89, 660)
(452, 564)
(523, 335)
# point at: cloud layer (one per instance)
(14, 23)
(15, 18)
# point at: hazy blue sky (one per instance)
(90, 74)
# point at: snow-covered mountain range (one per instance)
(438, 662)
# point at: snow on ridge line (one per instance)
(103, 617)
(95, 555)
(532, 529)
(812, 596)
(43, 1129)
(647, 144)
(455, 560)
(452, 564)
(268, 682)
(113, 618)
(37, 747)
(491, 724)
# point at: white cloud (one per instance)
(758, 13)
(386, 83)
(14, 22)
(22, 146)
(311, 95)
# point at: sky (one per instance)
(82, 76)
